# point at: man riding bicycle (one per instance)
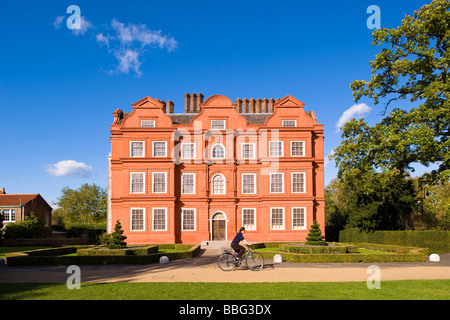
(235, 243)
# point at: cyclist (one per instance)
(235, 243)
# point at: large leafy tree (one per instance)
(86, 204)
(413, 65)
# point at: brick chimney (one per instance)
(192, 102)
(2, 191)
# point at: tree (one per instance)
(84, 205)
(116, 239)
(315, 236)
(413, 65)
(374, 205)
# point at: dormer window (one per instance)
(289, 123)
(217, 124)
(147, 123)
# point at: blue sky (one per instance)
(58, 88)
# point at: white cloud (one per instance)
(127, 43)
(327, 160)
(102, 40)
(128, 60)
(355, 111)
(85, 25)
(142, 35)
(130, 43)
(69, 168)
(58, 22)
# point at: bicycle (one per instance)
(227, 261)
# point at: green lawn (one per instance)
(390, 290)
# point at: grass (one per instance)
(390, 290)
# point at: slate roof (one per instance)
(185, 118)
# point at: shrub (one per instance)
(30, 227)
(116, 240)
(315, 236)
(93, 231)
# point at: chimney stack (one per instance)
(2, 191)
(192, 102)
(170, 106)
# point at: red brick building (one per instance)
(15, 207)
(201, 175)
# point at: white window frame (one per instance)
(282, 149)
(182, 182)
(242, 183)
(283, 226)
(222, 127)
(304, 182)
(224, 184)
(165, 181)
(182, 219)
(282, 186)
(304, 219)
(165, 219)
(131, 149)
(283, 123)
(183, 144)
(10, 211)
(253, 154)
(131, 182)
(131, 219)
(151, 126)
(217, 145)
(165, 149)
(251, 228)
(303, 148)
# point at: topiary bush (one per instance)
(116, 239)
(315, 236)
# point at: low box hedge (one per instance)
(293, 253)
(435, 241)
(101, 251)
(27, 259)
(292, 248)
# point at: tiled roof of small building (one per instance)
(16, 199)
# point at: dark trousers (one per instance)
(239, 249)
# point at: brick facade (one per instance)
(15, 207)
(201, 175)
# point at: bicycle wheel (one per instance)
(226, 262)
(255, 261)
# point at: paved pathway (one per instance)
(203, 268)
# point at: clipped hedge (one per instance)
(292, 248)
(435, 241)
(101, 251)
(396, 253)
(28, 258)
(345, 258)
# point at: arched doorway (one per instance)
(219, 226)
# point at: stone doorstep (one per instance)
(215, 245)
